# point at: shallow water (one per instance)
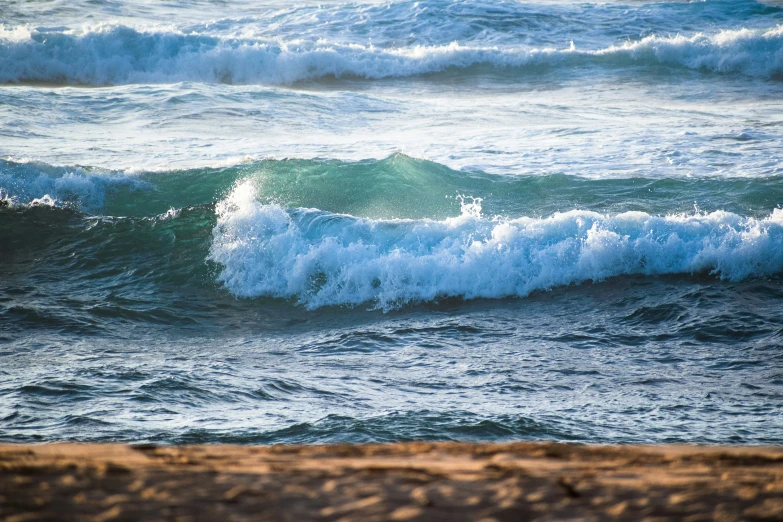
(225, 222)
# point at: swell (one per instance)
(425, 22)
(65, 270)
(118, 54)
(394, 187)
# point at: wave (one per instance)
(31, 184)
(118, 54)
(397, 186)
(103, 266)
(324, 259)
(144, 247)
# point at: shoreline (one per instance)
(400, 481)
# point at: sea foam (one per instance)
(321, 259)
(23, 184)
(113, 54)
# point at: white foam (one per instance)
(752, 52)
(322, 259)
(116, 54)
(25, 184)
(44, 201)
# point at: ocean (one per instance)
(320, 222)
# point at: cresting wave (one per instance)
(324, 259)
(117, 54)
(311, 231)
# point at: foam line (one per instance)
(321, 259)
(117, 54)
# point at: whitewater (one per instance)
(116, 55)
(400, 220)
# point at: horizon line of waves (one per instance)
(321, 259)
(117, 55)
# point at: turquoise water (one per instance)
(357, 222)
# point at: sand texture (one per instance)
(409, 481)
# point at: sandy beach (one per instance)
(406, 481)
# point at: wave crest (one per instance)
(322, 259)
(23, 184)
(117, 54)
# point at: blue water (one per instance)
(347, 222)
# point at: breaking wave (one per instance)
(324, 259)
(35, 183)
(313, 232)
(117, 54)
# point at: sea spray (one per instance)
(322, 259)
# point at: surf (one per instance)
(113, 54)
(322, 259)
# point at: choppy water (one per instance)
(246, 222)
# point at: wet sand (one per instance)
(407, 481)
